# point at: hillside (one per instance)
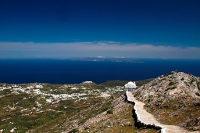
(55, 108)
(173, 98)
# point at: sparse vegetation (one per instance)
(110, 111)
(39, 109)
(171, 83)
(142, 82)
(191, 81)
(198, 85)
(167, 74)
(197, 93)
(74, 131)
(171, 88)
(113, 83)
(51, 107)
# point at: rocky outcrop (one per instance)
(173, 98)
(173, 86)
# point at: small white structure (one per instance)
(38, 86)
(130, 86)
(87, 82)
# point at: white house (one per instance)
(130, 86)
(38, 86)
(87, 82)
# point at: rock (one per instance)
(128, 124)
(196, 103)
(183, 108)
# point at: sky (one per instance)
(108, 28)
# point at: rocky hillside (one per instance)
(67, 108)
(173, 98)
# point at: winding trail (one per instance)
(149, 120)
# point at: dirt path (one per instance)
(148, 119)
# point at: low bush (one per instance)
(110, 111)
(197, 93)
(171, 83)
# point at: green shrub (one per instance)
(171, 83)
(198, 94)
(198, 85)
(192, 81)
(110, 111)
(6, 91)
(113, 83)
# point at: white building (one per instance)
(130, 86)
(87, 82)
(38, 86)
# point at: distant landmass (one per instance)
(100, 58)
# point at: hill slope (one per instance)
(56, 108)
(173, 99)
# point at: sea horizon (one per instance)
(98, 70)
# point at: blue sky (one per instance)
(109, 28)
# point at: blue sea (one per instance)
(75, 71)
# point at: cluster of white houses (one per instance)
(130, 86)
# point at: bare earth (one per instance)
(149, 119)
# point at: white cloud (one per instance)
(85, 49)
